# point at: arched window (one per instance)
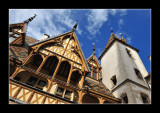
(64, 69)
(50, 65)
(124, 98)
(75, 76)
(145, 98)
(138, 73)
(35, 61)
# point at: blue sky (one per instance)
(93, 26)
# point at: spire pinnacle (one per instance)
(93, 48)
(111, 31)
(30, 19)
(123, 38)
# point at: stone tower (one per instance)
(123, 71)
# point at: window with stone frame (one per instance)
(138, 73)
(124, 98)
(145, 98)
(129, 53)
(114, 80)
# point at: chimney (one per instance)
(45, 36)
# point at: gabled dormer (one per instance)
(94, 66)
(60, 57)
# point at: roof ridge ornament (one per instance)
(75, 26)
(123, 38)
(93, 48)
(121, 35)
(111, 31)
(30, 19)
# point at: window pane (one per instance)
(11, 39)
(125, 99)
(60, 90)
(94, 69)
(10, 33)
(68, 93)
(16, 35)
(32, 80)
(89, 75)
(17, 78)
(94, 75)
(41, 83)
(114, 80)
(144, 98)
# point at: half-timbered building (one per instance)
(53, 70)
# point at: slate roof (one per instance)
(97, 86)
(112, 38)
(21, 52)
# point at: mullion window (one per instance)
(94, 75)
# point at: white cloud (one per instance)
(49, 21)
(97, 18)
(99, 51)
(120, 23)
(128, 39)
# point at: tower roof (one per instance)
(113, 38)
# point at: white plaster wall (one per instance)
(112, 64)
(117, 62)
(133, 93)
(130, 64)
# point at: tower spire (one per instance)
(93, 48)
(30, 19)
(111, 31)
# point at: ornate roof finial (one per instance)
(30, 19)
(123, 38)
(93, 48)
(121, 35)
(75, 26)
(111, 31)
